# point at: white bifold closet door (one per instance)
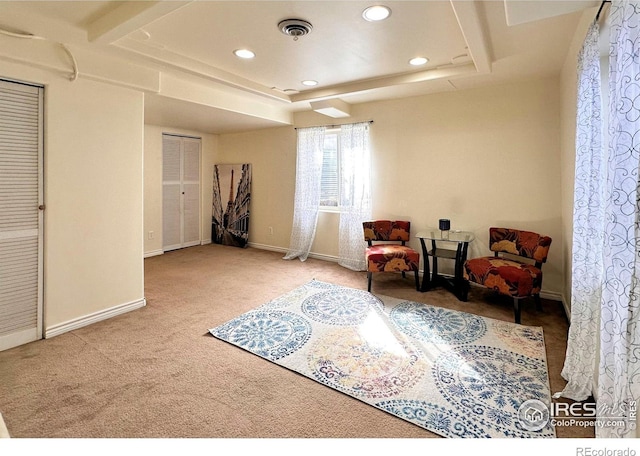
(181, 192)
(20, 213)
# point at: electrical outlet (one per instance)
(150, 235)
(270, 230)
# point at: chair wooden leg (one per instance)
(404, 276)
(369, 281)
(516, 309)
(536, 297)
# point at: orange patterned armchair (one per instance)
(520, 277)
(387, 256)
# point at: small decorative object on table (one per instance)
(445, 226)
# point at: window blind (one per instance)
(329, 192)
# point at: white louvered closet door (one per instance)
(20, 216)
(171, 193)
(191, 191)
(181, 192)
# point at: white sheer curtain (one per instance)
(588, 226)
(307, 193)
(606, 258)
(355, 194)
(619, 370)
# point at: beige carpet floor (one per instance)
(157, 372)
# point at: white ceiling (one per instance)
(468, 43)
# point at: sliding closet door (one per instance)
(20, 213)
(181, 192)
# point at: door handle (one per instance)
(42, 207)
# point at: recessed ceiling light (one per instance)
(309, 82)
(418, 61)
(244, 53)
(376, 13)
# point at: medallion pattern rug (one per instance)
(453, 373)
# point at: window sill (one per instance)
(329, 209)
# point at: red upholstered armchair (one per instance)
(519, 277)
(389, 253)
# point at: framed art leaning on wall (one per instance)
(231, 197)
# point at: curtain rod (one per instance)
(337, 125)
(600, 9)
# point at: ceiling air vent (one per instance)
(295, 27)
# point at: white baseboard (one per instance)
(272, 248)
(161, 251)
(552, 296)
(320, 256)
(95, 317)
(153, 253)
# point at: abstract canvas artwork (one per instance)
(231, 198)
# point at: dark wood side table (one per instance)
(452, 245)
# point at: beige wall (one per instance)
(567, 163)
(153, 184)
(93, 192)
(442, 155)
(272, 154)
(481, 157)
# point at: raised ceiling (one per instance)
(468, 44)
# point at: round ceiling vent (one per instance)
(295, 27)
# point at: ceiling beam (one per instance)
(183, 64)
(518, 12)
(474, 32)
(128, 17)
(219, 97)
(447, 71)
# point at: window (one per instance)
(330, 181)
(339, 183)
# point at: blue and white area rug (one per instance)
(452, 373)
